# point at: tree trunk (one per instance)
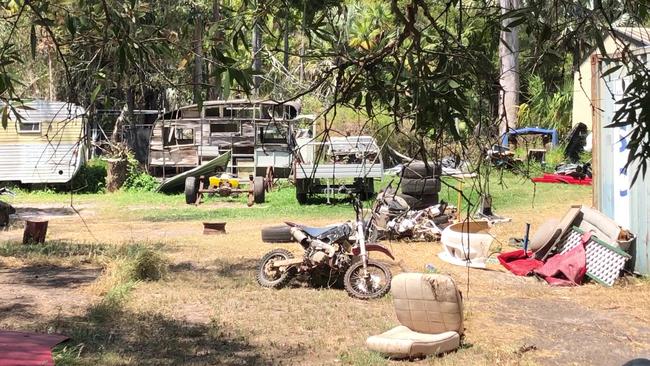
(198, 58)
(116, 173)
(509, 70)
(287, 28)
(257, 47)
(116, 136)
(50, 76)
(35, 232)
(215, 80)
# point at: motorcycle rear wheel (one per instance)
(274, 278)
(375, 286)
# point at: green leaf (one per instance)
(601, 44)
(226, 84)
(93, 95)
(32, 41)
(5, 116)
(611, 70)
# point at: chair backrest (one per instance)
(427, 303)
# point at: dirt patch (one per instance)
(33, 294)
(565, 332)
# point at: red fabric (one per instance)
(518, 262)
(559, 178)
(27, 349)
(566, 269)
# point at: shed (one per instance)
(45, 145)
(612, 191)
(636, 37)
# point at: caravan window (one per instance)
(272, 134)
(29, 127)
(219, 127)
(180, 136)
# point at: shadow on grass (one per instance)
(50, 276)
(151, 339)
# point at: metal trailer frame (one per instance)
(309, 174)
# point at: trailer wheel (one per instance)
(301, 191)
(367, 189)
(191, 190)
(258, 189)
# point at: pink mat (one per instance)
(27, 349)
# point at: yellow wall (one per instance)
(582, 103)
(68, 131)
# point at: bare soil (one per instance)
(209, 310)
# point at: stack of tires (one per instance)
(420, 184)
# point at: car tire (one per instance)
(277, 234)
(258, 189)
(191, 190)
(420, 202)
(418, 170)
(419, 187)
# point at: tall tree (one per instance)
(509, 68)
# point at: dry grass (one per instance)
(209, 309)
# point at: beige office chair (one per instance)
(429, 308)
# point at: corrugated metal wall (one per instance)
(628, 206)
(51, 155)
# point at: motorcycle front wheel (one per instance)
(269, 276)
(372, 283)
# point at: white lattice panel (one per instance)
(604, 262)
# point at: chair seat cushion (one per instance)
(401, 342)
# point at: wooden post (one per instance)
(35, 232)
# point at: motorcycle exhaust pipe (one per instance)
(299, 236)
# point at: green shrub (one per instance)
(91, 177)
(137, 179)
(148, 265)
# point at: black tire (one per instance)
(191, 190)
(277, 234)
(418, 170)
(279, 279)
(420, 187)
(258, 189)
(367, 189)
(418, 203)
(301, 191)
(354, 286)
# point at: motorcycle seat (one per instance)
(316, 231)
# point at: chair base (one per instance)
(401, 342)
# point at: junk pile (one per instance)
(583, 244)
(394, 219)
(572, 173)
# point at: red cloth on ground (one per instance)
(25, 349)
(518, 262)
(566, 269)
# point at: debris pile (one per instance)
(394, 219)
(584, 243)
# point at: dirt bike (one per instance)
(340, 250)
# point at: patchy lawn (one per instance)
(209, 310)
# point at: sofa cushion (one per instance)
(401, 342)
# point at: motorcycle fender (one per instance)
(375, 248)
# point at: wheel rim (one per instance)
(375, 280)
(269, 272)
